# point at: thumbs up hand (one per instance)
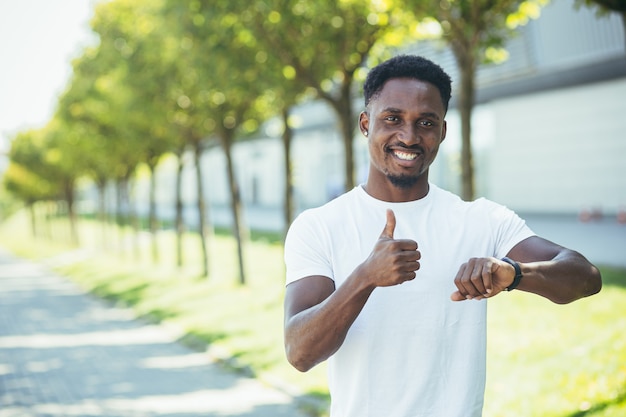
(390, 226)
(392, 261)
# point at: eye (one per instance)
(426, 123)
(392, 118)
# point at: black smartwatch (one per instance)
(518, 273)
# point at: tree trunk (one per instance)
(180, 226)
(101, 216)
(348, 140)
(71, 213)
(467, 66)
(126, 214)
(152, 215)
(49, 216)
(235, 202)
(202, 211)
(288, 210)
(119, 188)
(347, 123)
(133, 215)
(33, 219)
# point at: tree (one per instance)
(473, 29)
(84, 108)
(224, 92)
(238, 103)
(132, 32)
(323, 45)
(50, 168)
(29, 185)
(105, 97)
(190, 95)
(283, 92)
(64, 160)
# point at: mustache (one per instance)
(412, 148)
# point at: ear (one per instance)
(444, 130)
(364, 123)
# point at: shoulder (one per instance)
(333, 209)
(446, 200)
(481, 209)
(318, 220)
(493, 210)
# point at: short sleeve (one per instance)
(509, 228)
(307, 249)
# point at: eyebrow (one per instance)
(392, 110)
(395, 110)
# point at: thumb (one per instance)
(390, 226)
(457, 296)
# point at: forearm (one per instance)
(314, 334)
(565, 278)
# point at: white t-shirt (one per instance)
(411, 352)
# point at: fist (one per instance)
(480, 278)
(392, 261)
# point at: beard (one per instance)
(403, 181)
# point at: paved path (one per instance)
(65, 353)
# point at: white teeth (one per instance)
(405, 156)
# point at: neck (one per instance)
(394, 194)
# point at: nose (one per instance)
(409, 134)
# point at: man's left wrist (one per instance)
(518, 273)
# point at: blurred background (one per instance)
(250, 113)
(186, 132)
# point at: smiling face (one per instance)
(405, 125)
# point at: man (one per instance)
(389, 281)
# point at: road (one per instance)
(65, 353)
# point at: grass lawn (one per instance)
(558, 360)
(543, 359)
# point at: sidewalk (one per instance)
(65, 353)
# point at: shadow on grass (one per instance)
(314, 403)
(599, 407)
(256, 235)
(130, 295)
(199, 340)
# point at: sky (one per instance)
(38, 40)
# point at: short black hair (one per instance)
(407, 66)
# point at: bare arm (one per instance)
(554, 272)
(549, 270)
(318, 316)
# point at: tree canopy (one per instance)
(169, 76)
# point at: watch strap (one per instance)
(518, 273)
